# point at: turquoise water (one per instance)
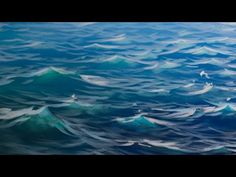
(117, 88)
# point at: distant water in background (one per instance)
(117, 88)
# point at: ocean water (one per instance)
(117, 88)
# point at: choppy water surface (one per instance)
(117, 88)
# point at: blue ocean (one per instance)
(117, 88)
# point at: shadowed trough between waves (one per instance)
(117, 88)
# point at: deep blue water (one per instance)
(117, 88)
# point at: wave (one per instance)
(182, 113)
(117, 61)
(142, 120)
(6, 81)
(51, 70)
(74, 105)
(206, 51)
(220, 108)
(35, 120)
(168, 65)
(101, 46)
(211, 61)
(6, 113)
(232, 66)
(169, 145)
(227, 72)
(46, 75)
(82, 24)
(144, 53)
(163, 144)
(162, 65)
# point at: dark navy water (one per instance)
(117, 88)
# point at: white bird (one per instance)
(203, 73)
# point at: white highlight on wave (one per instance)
(142, 54)
(58, 70)
(168, 64)
(182, 113)
(6, 113)
(149, 143)
(221, 107)
(151, 67)
(102, 46)
(96, 80)
(188, 85)
(161, 90)
(159, 143)
(82, 24)
(5, 81)
(122, 59)
(115, 58)
(211, 61)
(33, 44)
(162, 65)
(42, 72)
(207, 87)
(25, 114)
(120, 37)
(143, 117)
(232, 66)
(206, 50)
(227, 72)
(180, 43)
